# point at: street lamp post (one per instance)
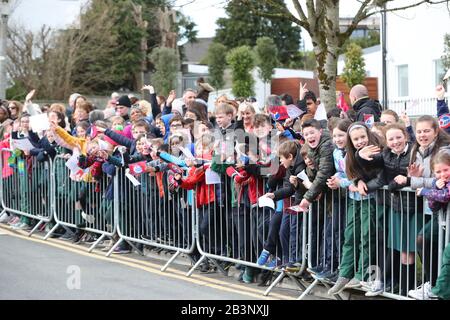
(5, 10)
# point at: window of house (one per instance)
(439, 71)
(403, 89)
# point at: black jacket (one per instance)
(288, 189)
(393, 165)
(322, 156)
(367, 106)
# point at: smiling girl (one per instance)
(403, 220)
(358, 249)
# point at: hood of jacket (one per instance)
(368, 103)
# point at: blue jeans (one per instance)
(291, 237)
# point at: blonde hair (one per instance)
(145, 106)
(58, 107)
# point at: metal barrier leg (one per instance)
(2, 213)
(299, 284)
(195, 266)
(214, 261)
(308, 290)
(51, 231)
(170, 261)
(96, 243)
(114, 247)
(35, 228)
(274, 283)
(135, 248)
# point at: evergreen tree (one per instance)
(354, 72)
(242, 61)
(216, 64)
(446, 56)
(165, 61)
(244, 27)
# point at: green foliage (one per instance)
(305, 60)
(216, 64)
(243, 27)
(371, 40)
(17, 92)
(166, 63)
(242, 61)
(354, 72)
(266, 57)
(446, 56)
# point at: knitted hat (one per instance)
(124, 101)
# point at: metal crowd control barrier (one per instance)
(150, 213)
(25, 187)
(391, 241)
(231, 228)
(325, 229)
(81, 205)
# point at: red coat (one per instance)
(204, 193)
(7, 170)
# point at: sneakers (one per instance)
(293, 267)
(5, 218)
(339, 286)
(14, 220)
(327, 275)
(315, 270)
(375, 288)
(423, 292)
(247, 277)
(67, 236)
(121, 250)
(21, 226)
(275, 262)
(353, 284)
(90, 218)
(263, 257)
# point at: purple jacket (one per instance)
(436, 197)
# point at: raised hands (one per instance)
(30, 95)
(415, 170)
(405, 119)
(172, 95)
(440, 92)
(150, 88)
(368, 152)
(303, 91)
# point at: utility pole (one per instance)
(384, 56)
(5, 10)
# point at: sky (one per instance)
(32, 14)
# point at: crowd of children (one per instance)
(347, 171)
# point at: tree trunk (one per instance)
(326, 45)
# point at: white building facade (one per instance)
(415, 44)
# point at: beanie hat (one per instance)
(124, 101)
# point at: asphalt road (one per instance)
(33, 270)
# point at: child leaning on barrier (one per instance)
(360, 220)
(315, 199)
(404, 215)
(336, 223)
(438, 197)
(292, 160)
(205, 197)
(430, 140)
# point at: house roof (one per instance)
(194, 52)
